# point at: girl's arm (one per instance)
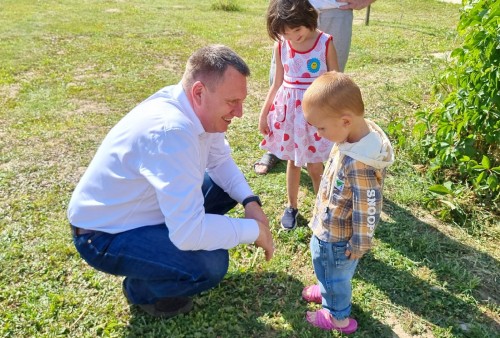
(331, 57)
(277, 81)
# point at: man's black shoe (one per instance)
(165, 307)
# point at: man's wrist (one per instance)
(252, 198)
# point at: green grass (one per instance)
(226, 5)
(70, 70)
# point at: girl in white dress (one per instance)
(302, 54)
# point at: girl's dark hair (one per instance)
(290, 13)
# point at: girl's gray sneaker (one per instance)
(289, 218)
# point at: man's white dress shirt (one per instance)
(149, 170)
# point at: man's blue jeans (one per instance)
(154, 268)
(334, 272)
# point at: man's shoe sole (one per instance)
(153, 311)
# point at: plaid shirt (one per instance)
(349, 202)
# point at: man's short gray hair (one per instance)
(209, 63)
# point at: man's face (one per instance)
(225, 101)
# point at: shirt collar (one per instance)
(179, 95)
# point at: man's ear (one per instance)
(197, 91)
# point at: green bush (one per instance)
(461, 135)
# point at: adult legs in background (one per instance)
(338, 23)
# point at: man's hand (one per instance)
(265, 239)
(356, 4)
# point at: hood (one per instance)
(374, 149)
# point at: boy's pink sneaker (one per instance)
(312, 293)
(323, 320)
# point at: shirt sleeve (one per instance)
(366, 188)
(172, 165)
(224, 171)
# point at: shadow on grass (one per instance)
(248, 304)
(462, 275)
(420, 269)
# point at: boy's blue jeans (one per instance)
(334, 272)
(154, 268)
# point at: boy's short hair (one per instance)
(336, 92)
(291, 14)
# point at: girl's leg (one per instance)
(289, 218)
(338, 23)
(334, 272)
(292, 183)
(315, 171)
